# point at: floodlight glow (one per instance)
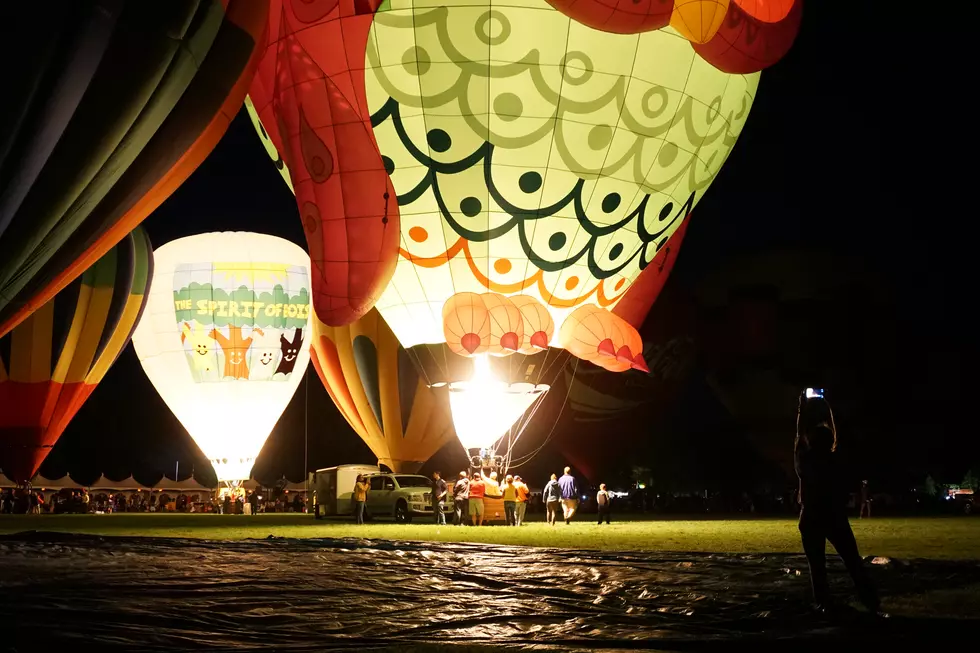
(484, 408)
(223, 339)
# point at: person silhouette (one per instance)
(823, 496)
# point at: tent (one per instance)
(186, 485)
(126, 484)
(64, 483)
(41, 483)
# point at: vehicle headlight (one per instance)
(416, 498)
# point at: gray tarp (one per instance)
(58, 591)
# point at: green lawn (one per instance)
(922, 537)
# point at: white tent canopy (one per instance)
(187, 485)
(65, 482)
(252, 484)
(39, 482)
(130, 483)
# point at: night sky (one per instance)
(805, 182)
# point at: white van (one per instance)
(333, 487)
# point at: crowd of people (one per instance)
(471, 493)
(821, 495)
(21, 501)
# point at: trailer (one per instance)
(333, 487)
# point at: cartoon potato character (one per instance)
(202, 356)
(235, 346)
(290, 350)
(264, 355)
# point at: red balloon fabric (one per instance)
(618, 16)
(309, 93)
(747, 44)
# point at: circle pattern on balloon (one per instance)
(581, 157)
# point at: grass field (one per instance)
(922, 537)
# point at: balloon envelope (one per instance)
(377, 388)
(52, 362)
(529, 155)
(225, 339)
(107, 108)
(532, 154)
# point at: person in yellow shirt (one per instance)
(361, 488)
(509, 491)
(523, 494)
(493, 487)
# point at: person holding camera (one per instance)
(823, 496)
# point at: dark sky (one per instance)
(806, 174)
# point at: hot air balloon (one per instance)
(380, 392)
(528, 153)
(486, 402)
(107, 108)
(52, 362)
(630, 408)
(225, 339)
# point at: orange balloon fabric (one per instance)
(54, 364)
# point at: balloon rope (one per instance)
(526, 459)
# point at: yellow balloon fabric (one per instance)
(378, 390)
(533, 155)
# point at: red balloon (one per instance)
(746, 44)
(309, 93)
(618, 16)
(640, 297)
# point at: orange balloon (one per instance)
(539, 327)
(698, 20)
(506, 324)
(466, 324)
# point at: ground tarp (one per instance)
(156, 594)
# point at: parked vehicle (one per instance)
(333, 488)
(402, 496)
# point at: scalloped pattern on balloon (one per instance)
(534, 155)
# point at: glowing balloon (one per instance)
(58, 355)
(107, 108)
(225, 339)
(533, 155)
(530, 154)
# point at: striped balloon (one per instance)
(380, 393)
(52, 362)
